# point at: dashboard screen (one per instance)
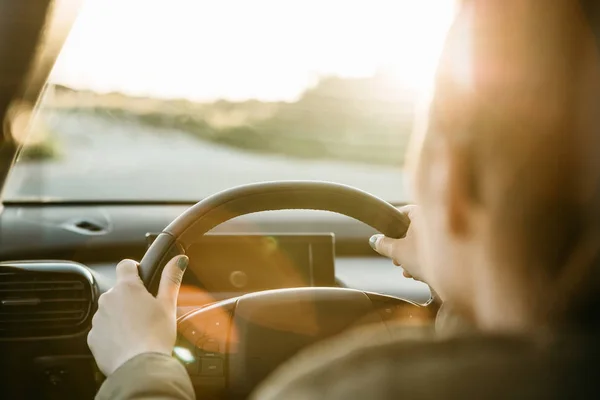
(236, 264)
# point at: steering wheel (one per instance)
(233, 344)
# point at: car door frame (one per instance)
(32, 33)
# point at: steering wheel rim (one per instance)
(267, 196)
(284, 320)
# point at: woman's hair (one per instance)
(517, 100)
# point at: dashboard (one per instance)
(246, 263)
(322, 249)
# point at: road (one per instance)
(119, 160)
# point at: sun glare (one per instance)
(241, 49)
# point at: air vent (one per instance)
(44, 299)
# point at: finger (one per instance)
(127, 270)
(91, 340)
(95, 319)
(404, 272)
(170, 281)
(102, 299)
(408, 209)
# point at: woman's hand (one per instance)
(403, 252)
(130, 321)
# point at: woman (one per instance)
(507, 232)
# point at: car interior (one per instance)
(261, 285)
(275, 264)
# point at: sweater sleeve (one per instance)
(148, 376)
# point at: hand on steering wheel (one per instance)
(130, 321)
(403, 252)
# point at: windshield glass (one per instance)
(178, 99)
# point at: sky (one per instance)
(271, 50)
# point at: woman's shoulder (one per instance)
(413, 362)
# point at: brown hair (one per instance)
(516, 99)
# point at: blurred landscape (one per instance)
(360, 120)
(89, 146)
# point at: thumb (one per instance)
(384, 245)
(391, 248)
(170, 281)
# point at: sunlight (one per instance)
(412, 54)
(239, 49)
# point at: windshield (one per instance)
(175, 100)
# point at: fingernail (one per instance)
(182, 263)
(373, 241)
